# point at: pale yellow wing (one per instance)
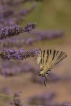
(49, 58)
(38, 57)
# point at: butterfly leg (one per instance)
(45, 80)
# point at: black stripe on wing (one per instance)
(43, 56)
(57, 52)
(50, 51)
(47, 56)
(54, 54)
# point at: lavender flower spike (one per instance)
(15, 30)
(17, 55)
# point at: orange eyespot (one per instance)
(42, 68)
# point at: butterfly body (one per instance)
(47, 59)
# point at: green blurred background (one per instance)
(51, 15)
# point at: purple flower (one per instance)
(29, 27)
(15, 30)
(16, 94)
(58, 33)
(29, 41)
(17, 55)
(11, 103)
(6, 90)
(12, 51)
(36, 50)
(49, 34)
(39, 38)
(24, 11)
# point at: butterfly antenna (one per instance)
(42, 45)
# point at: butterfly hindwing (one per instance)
(53, 57)
(61, 57)
(58, 56)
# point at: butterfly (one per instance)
(47, 59)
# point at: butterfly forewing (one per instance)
(50, 57)
(54, 58)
